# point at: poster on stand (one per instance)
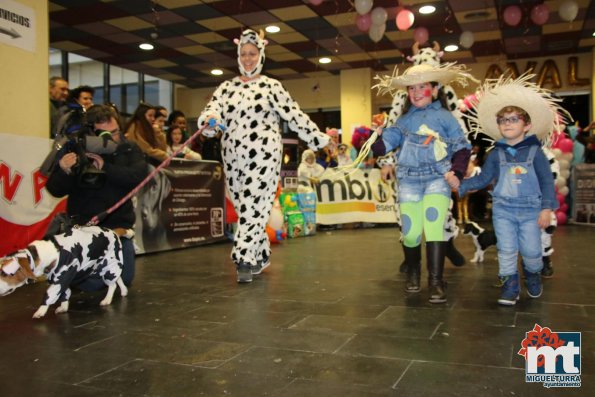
(583, 194)
(182, 206)
(359, 195)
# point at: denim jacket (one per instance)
(532, 187)
(418, 151)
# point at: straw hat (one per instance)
(444, 74)
(496, 94)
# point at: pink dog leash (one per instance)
(212, 123)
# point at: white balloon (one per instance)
(363, 6)
(467, 39)
(557, 153)
(566, 156)
(560, 182)
(563, 191)
(376, 32)
(565, 173)
(568, 10)
(379, 16)
(564, 164)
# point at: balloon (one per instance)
(560, 197)
(568, 10)
(565, 145)
(363, 6)
(557, 153)
(549, 74)
(565, 173)
(405, 19)
(540, 14)
(379, 16)
(560, 182)
(564, 164)
(316, 2)
(567, 156)
(376, 32)
(421, 35)
(564, 192)
(561, 217)
(467, 39)
(512, 15)
(363, 22)
(563, 208)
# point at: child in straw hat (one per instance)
(433, 150)
(517, 114)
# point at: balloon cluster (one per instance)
(540, 13)
(370, 20)
(562, 150)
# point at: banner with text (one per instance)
(356, 196)
(181, 207)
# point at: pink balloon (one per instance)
(565, 145)
(540, 14)
(363, 22)
(316, 2)
(421, 35)
(561, 217)
(563, 207)
(561, 198)
(512, 15)
(405, 19)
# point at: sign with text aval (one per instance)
(181, 206)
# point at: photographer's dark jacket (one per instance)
(125, 169)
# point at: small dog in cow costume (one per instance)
(66, 260)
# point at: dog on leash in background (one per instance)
(482, 239)
(66, 259)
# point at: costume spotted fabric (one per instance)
(252, 151)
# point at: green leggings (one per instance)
(427, 215)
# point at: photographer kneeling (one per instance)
(94, 182)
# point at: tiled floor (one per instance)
(328, 318)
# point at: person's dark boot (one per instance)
(413, 262)
(548, 269)
(435, 254)
(453, 254)
(403, 265)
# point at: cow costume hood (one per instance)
(250, 36)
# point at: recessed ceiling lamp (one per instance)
(324, 60)
(146, 46)
(451, 48)
(427, 9)
(273, 29)
(216, 72)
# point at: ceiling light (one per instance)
(451, 48)
(427, 9)
(324, 60)
(273, 29)
(146, 46)
(216, 72)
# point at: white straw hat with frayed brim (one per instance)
(444, 74)
(496, 94)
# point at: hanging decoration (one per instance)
(467, 39)
(540, 14)
(405, 19)
(363, 22)
(568, 10)
(572, 73)
(363, 7)
(421, 35)
(549, 74)
(512, 15)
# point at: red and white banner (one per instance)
(26, 208)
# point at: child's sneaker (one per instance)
(533, 283)
(509, 294)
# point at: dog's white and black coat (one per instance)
(252, 151)
(482, 239)
(80, 253)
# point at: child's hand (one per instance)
(452, 180)
(545, 217)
